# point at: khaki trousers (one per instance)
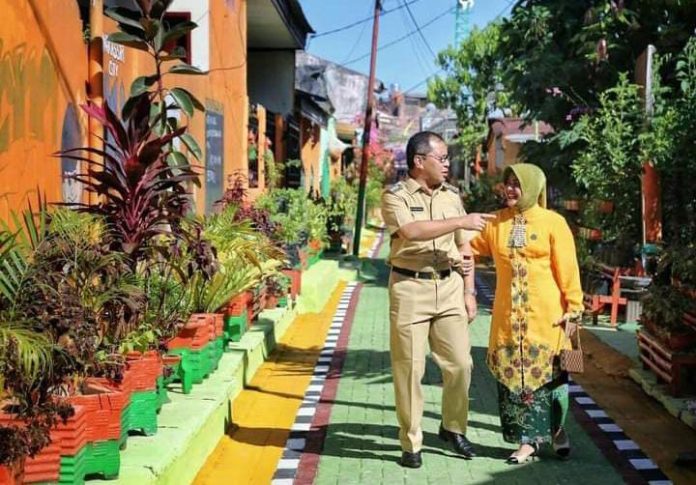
(431, 311)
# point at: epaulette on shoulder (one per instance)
(450, 187)
(397, 187)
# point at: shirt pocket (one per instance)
(419, 211)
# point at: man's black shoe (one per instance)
(411, 460)
(460, 444)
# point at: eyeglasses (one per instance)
(442, 159)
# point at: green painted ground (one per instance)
(362, 446)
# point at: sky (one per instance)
(407, 63)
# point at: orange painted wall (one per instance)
(43, 66)
(43, 69)
(223, 90)
(310, 153)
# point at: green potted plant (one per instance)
(683, 269)
(663, 317)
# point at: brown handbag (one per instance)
(572, 360)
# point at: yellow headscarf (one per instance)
(532, 182)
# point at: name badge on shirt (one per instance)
(417, 209)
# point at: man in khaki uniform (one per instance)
(430, 301)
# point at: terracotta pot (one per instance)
(590, 234)
(144, 369)
(237, 305)
(67, 439)
(219, 320)
(194, 335)
(295, 276)
(171, 360)
(571, 204)
(303, 258)
(605, 206)
(104, 406)
(44, 467)
(12, 474)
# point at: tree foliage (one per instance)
(472, 84)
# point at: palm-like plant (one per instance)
(28, 350)
(245, 256)
(19, 344)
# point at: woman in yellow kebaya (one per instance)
(537, 294)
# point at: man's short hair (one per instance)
(420, 144)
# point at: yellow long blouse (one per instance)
(536, 285)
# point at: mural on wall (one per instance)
(214, 149)
(27, 86)
(70, 138)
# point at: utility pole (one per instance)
(366, 133)
(651, 192)
(650, 180)
(96, 77)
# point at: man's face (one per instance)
(435, 165)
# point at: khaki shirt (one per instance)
(407, 202)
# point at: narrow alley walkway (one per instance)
(341, 427)
(361, 444)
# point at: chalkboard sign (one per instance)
(214, 147)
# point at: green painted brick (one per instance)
(236, 326)
(95, 459)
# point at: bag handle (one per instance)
(569, 326)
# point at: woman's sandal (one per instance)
(561, 444)
(515, 459)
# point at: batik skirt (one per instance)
(534, 417)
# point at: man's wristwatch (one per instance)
(470, 291)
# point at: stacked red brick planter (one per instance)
(67, 440)
(295, 276)
(12, 474)
(200, 345)
(236, 317)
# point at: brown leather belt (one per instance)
(423, 275)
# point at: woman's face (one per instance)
(513, 191)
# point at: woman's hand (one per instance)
(471, 306)
(569, 323)
(465, 266)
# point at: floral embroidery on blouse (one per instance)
(522, 366)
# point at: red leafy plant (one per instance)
(137, 192)
(139, 178)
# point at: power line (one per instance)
(416, 46)
(418, 28)
(358, 39)
(358, 22)
(419, 84)
(396, 41)
(509, 4)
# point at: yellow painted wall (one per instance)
(43, 70)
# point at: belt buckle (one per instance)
(435, 276)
